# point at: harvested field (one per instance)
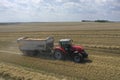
(103, 46)
(1, 78)
(58, 26)
(19, 73)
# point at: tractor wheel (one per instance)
(58, 55)
(78, 58)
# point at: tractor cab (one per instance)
(66, 44)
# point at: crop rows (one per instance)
(18, 73)
(102, 46)
(93, 39)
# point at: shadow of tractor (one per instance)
(49, 56)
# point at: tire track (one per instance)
(11, 52)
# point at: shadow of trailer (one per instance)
(34, 46)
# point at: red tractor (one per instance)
(65, 48)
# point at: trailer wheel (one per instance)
(24, 53)
(58, 55)
(78, 58)
(30, 53)
(35, 52)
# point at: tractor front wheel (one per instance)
(78, 58)
(58, 55)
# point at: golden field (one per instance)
(100, 40)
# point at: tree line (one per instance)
(95, 21)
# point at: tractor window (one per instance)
(66, 44)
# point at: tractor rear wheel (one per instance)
(78, 58)
(58, 55)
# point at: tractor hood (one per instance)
(78, 48)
